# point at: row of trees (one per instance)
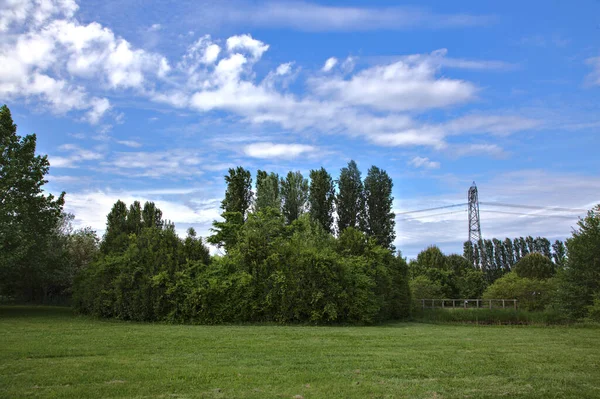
(363, 205)
(287, 258)
(497, 257)
(272, 271)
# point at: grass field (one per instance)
(48, 352)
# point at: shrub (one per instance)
(535, 265)
(532, 294)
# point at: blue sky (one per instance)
(156, 102)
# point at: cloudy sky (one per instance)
(155, 101)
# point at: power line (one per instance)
(431, 209)
(434, 215)
(538, 207)
(528, 214)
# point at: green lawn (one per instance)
(48, 352)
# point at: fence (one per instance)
(468, 303)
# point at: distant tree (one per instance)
(543, 246)
(524, 248)
(28, 217)
(469, 252)
(580, 280)
(559, 254)
(194, 249)
(535, 265)
(510, 253)
(517, 249)
(498, 258)
(321, 198)
(530, 244)
(379, 219)
(267, 191)
(431, 258)
(350, 198)
(476, 256)
(294, 194)
(235, 205)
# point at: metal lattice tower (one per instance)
(474, 224)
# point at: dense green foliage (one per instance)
(350, 198)
(580, 281)
(535, 265)
(267, 191)
(31, 241)
(273, 272)
(436, 276)
(497, 257)
(379, 220)
(532, 293)
(321, 198)
(49, 353)
(294, 196)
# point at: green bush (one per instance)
(535, 265)
(272, 273)
(532, 294)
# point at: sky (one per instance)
(155, 100)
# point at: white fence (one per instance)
(469, 303)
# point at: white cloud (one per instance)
(284, 69)
(329, 64)
(315, 17)
(247, 43)
(425, 163)
(155, 27)
(76, 156)
(130, 143)
(271, 150)
(178, 162)
(49, 56)
(401, 86)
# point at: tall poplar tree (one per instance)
(294, 196)
(267, 191)
(235, 205)
(350, 199)
(379, 219)
(321, 198)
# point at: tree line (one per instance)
(314, 250)
(497, 257)
(363, 205)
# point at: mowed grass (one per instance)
(48, 352)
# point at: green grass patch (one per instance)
(489, 316)
(48, 352)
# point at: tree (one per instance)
(532, 294)
(350, 199)
(28, 218)
(517, 249)
(134, 218)
(580, 281)
(117, 229)
(379, 220)
(238, 197)
(510, 253)
(151, 216)
(321, 198)
(294, 194)
(535, 265)
(267, 191)
(469, 252)
(559, 254)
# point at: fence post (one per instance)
(503, 307)
(453, 303)
(478, 304)
(490, 303)
(443, 304)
